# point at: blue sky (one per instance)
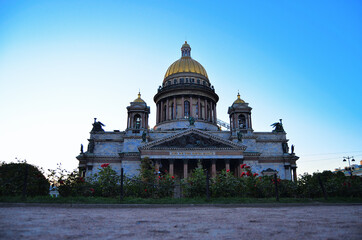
(62, 63)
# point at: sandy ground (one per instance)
(303, 222)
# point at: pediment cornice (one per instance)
(193, 139)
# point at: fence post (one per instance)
(276, 187)
(121, 193)
(322, 186)
(207, 186)
(25, 184)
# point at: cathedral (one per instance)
(188, 133)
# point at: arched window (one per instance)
(137, 121)
(242, 121)
(187, 109)
(175, 81)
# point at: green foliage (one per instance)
(166, 185)
(149, 183)
(225, 184)
(105, 182)
(335, 184)
(68, 183)
(195, 185)
(12, 178)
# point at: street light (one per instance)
(349, 163)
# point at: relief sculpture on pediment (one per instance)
(192, 141)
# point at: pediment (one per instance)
(193, 139)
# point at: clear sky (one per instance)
(62, 63)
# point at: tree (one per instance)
(12, 178)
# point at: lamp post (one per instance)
(349, 163)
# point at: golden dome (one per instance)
(139, 99)
(186, 64)
(239, 100)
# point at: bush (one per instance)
(69, 184)
(106, 182)
(224, 185)
(195, 185)
(12, 180)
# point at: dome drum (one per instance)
(186, 92)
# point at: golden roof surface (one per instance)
(139, 99)
(239, 100)
(186, 65)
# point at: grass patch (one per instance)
(103, 200)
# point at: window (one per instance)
(198, 81)
(187, 80)
(168, 82)
(242, 121)
(181, 80)
(137, 121)
(187, 109)
(203, 83)
(175, 81)
(197, 110)
(192, 80)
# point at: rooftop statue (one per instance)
(144, 136)
(97, 126)
(191, 121)
(278, 126)
(240, 136)
(91, 146)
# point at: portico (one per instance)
(183, 152)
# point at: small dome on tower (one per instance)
(139, 99)
(238, 100)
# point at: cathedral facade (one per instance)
(188, 133)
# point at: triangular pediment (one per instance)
(193, 139)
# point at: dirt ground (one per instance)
(298, 222)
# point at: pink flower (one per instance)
(242, 174)
(228, 170)
(248, 174)
(92, 190)
(255, 174)
(242, 165)
(247, 166)
(173, 177)
(145, 190)
(81, 179)
(104, 165)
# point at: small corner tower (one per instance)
(240, 116)
(138, 113)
